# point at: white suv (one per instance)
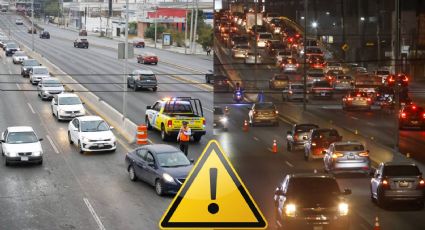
(21, 144)
(91, 133)
(67, 106)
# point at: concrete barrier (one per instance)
(123, 125)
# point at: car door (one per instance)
(376, 179)
(75, 127)
(157, 110)
(3, 138)
(139, 162)
(150, 169)
(54, 104)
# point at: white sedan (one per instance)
(250, 58)
(67, 106)
(18, 57)
(91, 133)
(21, 144)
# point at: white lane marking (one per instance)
(52, 144)
(355, 118)
(255, 138)
(93, 213)
(210, 110)
(289, 164)
(17, 85)
(370, 123)
(270, 150)
(32, 110)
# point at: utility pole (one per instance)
(305, 56)
(32, 25)
(85, 17)
(397, 69)
(195, 28)
(124, 110)
(156, 19)
(185, 27)
(191, 28)
(378, 38)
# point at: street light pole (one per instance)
(156, 19)
(195, 28)
(32, 25)
(185, 27)
(397, 69)
(124, 109)
(305, 56)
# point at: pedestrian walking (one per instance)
(184, 137)
(208, 49)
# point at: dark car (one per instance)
(81, 43)
(322, 89)
(139, 44)
(27, 66)
(45, 34)
(319, 140)
(147, 58)
(397, 181)
(142, 79)
(400, 79)
(311, 201)
(412, 116)
(11, 48)
(239, 40)
(279, 81)
(297, 136)
(162, 166)
(221, 83)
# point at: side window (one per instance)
(157, 106)
(76, 123)
(149, 158)
(5, 134)
(141, 153)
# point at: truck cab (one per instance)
(167, 116)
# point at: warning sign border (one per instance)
(213, 146)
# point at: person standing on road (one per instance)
(208, 51)
(184, 137)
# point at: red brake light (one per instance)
(423, 115)
(170, 123)
(358, 95)
(421, 183)
(297, 35)
(350, 99)
(405, 79)
(414, 107)
(403, 115)
(368, 99)
(385, 183)
(203, 122)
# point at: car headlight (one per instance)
(85, 139)
(290, 210)
(223, 120)
(37, 153)
(11, 154)
(167, 177)
(44, 91)
(343, 209)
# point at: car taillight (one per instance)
(170, 123)
(421, 183)
(276, 112)
(364, 154)
(369, 99)
(297, 65)
(255, 112)
(403, 115)
(406, 79)
(385, 183)
(290, 91)
(336, 155)
(313, 143)
(349, 99)
(423, 115)
(391, 80)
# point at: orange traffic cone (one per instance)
(274, 148)
(376, 227)
(245, 126)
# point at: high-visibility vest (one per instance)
(184, 137)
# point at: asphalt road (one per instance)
(99, 70)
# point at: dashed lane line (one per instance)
(93, 213)
(31, 108)
(289, 164)
(52, 144)
(255, 138)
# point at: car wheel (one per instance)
(159, 188)
(381, 200)
(69, 138)
(148, 124)
(132, 173)
(57, 116)
(5, 162)
(154, 89)
(80, 148)
(164, 135)
(156, 63)
(197, 138)
(41, 162)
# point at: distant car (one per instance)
(18, 57)
(383, 74)
(397, 181)
(279, 81)
(311, 201)
(273, 46)
(162, 166)
(357, 100)
(332, 74)
(220, 118)
(81, 43)
(240, 51)
(412, 116)
(322, 89)
(297, 136)
(27, 66)
(385, 97)
(262, 38)
(20, 144)
(316, 62)
(397, 79)
(250, 58)
(221, 83)
(67, 106)
(45, 35)
(11, 48)
(82, 32)
(147, 58)
(263, 112)
(32, 30)
(289, 64)
(319, 140)
(343, 82)
(139, 44)
(347, 156)
(315, 75)
(313, 50)
(37, 73)
(282, 55)
(48, 87)
(91, 133)
(294, 91)
(19, 21)
(334, 66)
(142, 79)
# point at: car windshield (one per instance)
(265, 36)
(147, 77)
(218, 111)
(21, 137)
(40, 71)
(94, 126)
(297, 87)
(325, 134)
(349, 147)
(52, 83)
(69, 101)
(281, 77)
(325, 190)
(401, 170)
(382, 72)
(12, 46)
(264, 106)
(178, 107)
(19, 54)
(31, 63)
(172, 159)
(83, 40)
(321, 84)
(305, 128)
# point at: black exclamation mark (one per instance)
(213, 207)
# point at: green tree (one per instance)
(204, 31)
(51, 7)
(150, 31)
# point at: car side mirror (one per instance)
(75, 129)
(324, 152)
(192, 160)
(148, 107)
(279, 192)
(41, 139)
(304, 138)
(347, 191)
(111, 127)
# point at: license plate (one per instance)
(351, 157)
(101, 145)
(403, 184)
(24, 158)
(317, 227)
(414, 122)
(323, 93)
(191, 122)
(72, 115)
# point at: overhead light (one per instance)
(362, 18)
(314, 24)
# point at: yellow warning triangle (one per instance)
(213, 196)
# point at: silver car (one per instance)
(294, 91)
(346, 156)
(240, 51)
(48, 87)
(397, 181)
(250, 58)
(343, 82)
